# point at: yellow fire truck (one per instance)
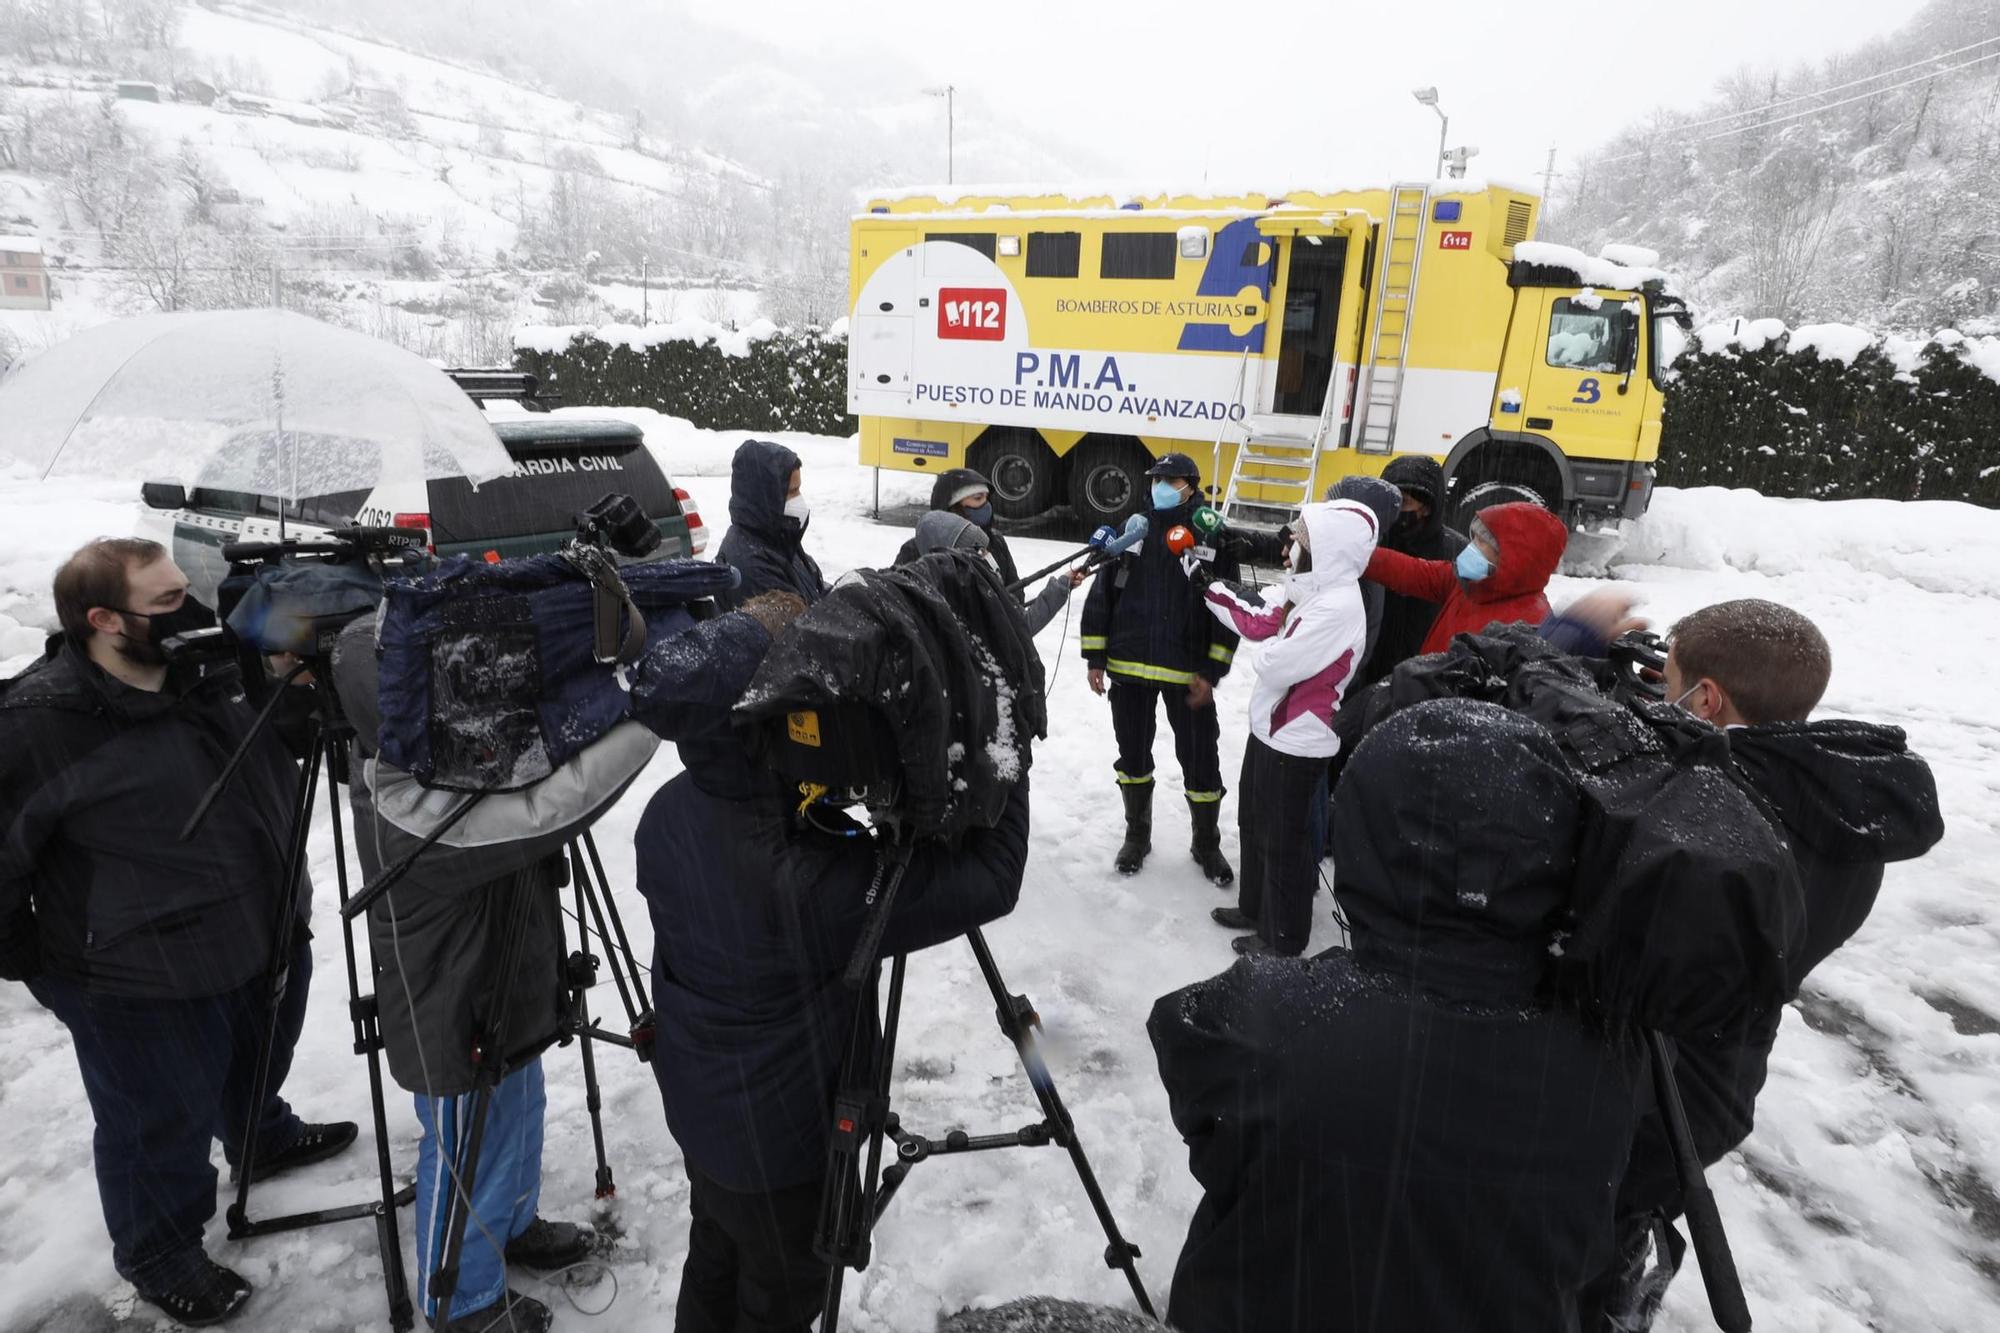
(1059, 342)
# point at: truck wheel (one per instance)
(1487, 494)
(1107, 481)
(1022, 469)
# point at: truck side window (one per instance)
(982, 241)
(1138, 254)
(1583, 337)
(1054, 254)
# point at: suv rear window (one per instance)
(561, 468)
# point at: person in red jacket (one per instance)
(1500, 574)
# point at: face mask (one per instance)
(1681, 702)
(1406, 523)
(1298, 559)
(1472, 564)
(979, 517)
(164, 625)
(1166, 495)
(797, 508)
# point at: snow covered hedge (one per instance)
(758, 378)
(1832, 412)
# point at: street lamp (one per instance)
(948, 93)
(1429, 97)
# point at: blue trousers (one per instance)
(166, 1078)
(505, 1190)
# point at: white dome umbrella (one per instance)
(266, 401)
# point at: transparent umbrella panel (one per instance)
(264, 401)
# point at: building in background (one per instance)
(24, 278)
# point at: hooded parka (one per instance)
(765, 544)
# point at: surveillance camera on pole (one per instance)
(1457, 158)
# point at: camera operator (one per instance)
(1848, 796)
(438, 938)
(757, 903)
(1408, 1135)
(153, 951)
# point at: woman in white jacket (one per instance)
(1313, 631)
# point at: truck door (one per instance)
(882, 332)
(1314, 266)
(1586, 386)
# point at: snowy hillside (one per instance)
(1858, 190)
(1865, 1200)
(391, 190)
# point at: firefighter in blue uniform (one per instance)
(1144, 628)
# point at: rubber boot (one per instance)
(1138, 826)
(1207, 845)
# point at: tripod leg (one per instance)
(458, 1214)
(618, 924)
(1017, 1020)
(607, 1188)
(366, 1016)
(596, 904)
(847, 1202)
(281, 950)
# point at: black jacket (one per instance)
(96, 781)
(437, 936)
(1404, 1137)
(1144, 619)
(755, 916)
(948, 482)
(764, 544)
(1849, 797)
(1407, 620)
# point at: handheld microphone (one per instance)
(1206, 522)
(1179, 539)
(1106, 543)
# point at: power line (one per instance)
(1836, 88)
(1814, 111)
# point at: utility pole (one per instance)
(949, 92)
(277, 287)
(645, 292)
(1429, 97)
(1548, 175)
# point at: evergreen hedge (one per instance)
(1791, 423)
(1778, 421)
(773, 380)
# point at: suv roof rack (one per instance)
(516, 386)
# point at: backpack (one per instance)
(1685, 909)
(490, 678)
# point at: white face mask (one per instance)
(1682, 701)
(796, 507)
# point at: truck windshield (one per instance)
(1591, 333)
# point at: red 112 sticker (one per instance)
(976, 313)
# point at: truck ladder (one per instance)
(1379, 392)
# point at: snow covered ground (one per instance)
(1865, 1200)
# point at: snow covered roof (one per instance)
(1589, 270)
(1082, 195)
(21, 245)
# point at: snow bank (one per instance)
(44, 522)
(1939, 546)
(555, 339)
(1844, 342)
(1830, 342)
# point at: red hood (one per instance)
(1531, 546)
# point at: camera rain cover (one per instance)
(489, 681)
